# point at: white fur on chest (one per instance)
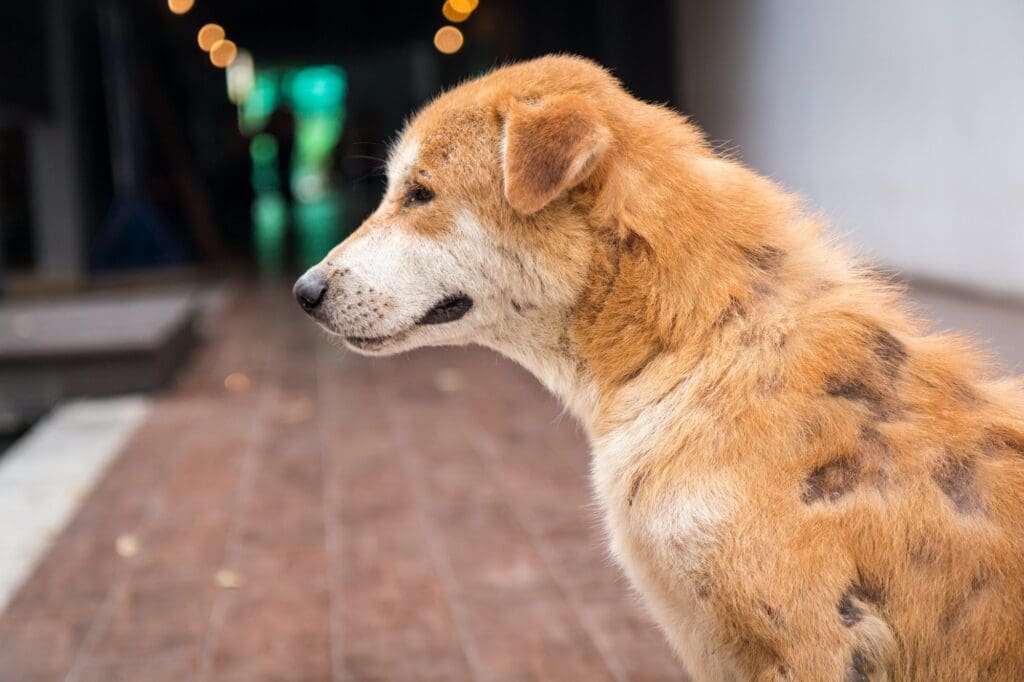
(664, 544)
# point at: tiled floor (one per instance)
(293, 512)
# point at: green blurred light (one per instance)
(318, 88)
(318, 227)
(317, 96)
(260, 103)
(269, 218)
(263, 149)
(316, 137)
(264, 179)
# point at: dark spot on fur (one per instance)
(765, 336)
(772, 613)
(868, 591)
(764, 257)
(517, 307)
(565, 344)
(860, 669)
(763, 289)
(849, 614)
(634, 243)
(733, 311)
(1001, 439)
(878, 399)
(964, 393)
(851, 389)
(652, 354)
(634, 487)
(955, 477)
(961, 603)
(702, 587)
(770, 381)
(874, 385)
(890, 351)
(851, 603)
(869, 434)
(831, 481)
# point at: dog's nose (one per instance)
(309, 291)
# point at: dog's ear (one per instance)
(549, 147)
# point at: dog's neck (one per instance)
(543, 346)
(661, 286)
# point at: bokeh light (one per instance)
(180, 6)
(261, 102)
(209, 35)
(464, 6)
(448, 39)
(452, 14)
(223, 53)
(241, 77)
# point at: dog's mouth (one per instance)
(373, 342)
(448, 309)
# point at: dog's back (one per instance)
(830, 485)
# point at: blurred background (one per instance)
(195, 485)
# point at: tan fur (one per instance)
(799, 479)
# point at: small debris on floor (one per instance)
(126, 546)
(448, 380)
(237, 382)
(229, 580)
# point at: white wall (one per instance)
(901, 120)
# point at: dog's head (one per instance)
(478, 231)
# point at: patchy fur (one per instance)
(801, 481)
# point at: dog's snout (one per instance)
(309, 291)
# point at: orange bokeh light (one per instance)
(208, 35)
(464, 6)
(180, 6)
(223, 53)
(448, 39)
(452, 14)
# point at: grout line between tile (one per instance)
(243, 493)
(489, 458)
(411, 468)
(332, 523)
(101, 621)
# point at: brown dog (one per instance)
(801, 482)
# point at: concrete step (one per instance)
(87, 346)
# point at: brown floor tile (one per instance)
(40, 644)
(276, 625)
(156, 618)
(174, 667)
(185, 542)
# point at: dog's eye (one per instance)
(418, 194)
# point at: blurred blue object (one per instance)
(135, 236)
